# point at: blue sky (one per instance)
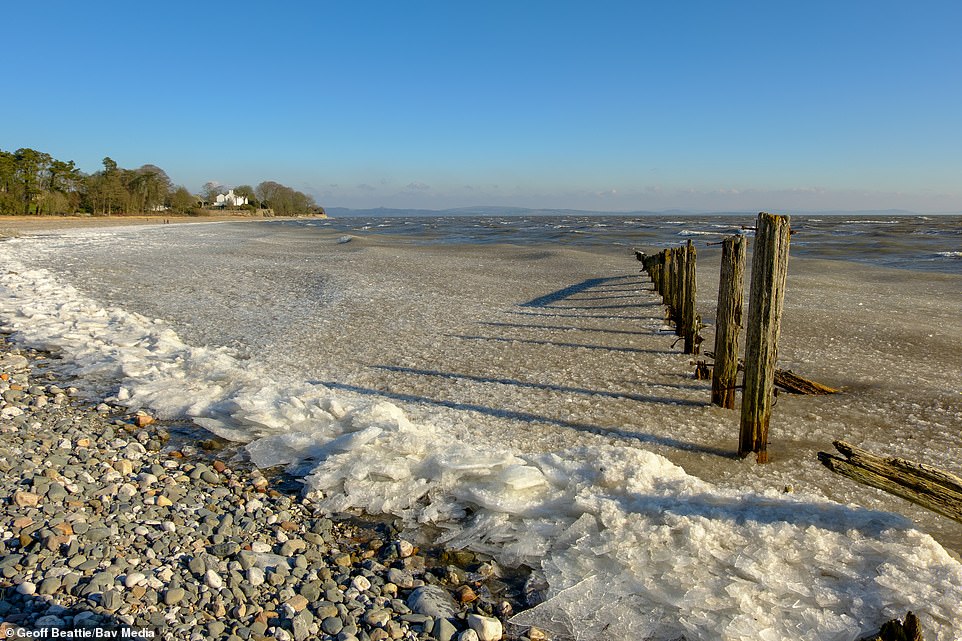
(600, 105)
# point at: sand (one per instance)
(18, 225)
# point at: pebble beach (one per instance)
(116, 524)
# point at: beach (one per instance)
(541, 385)
(120, 525)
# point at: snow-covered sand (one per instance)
(527, 400)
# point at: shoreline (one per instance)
(115, 520)
(16, 225)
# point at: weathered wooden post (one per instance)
(663, 268)
(668, 296)
(655, 264)
(769, 273)
(728, 322)
(678, 264)
(689, 320)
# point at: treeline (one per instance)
(33, 182)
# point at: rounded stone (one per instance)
(27, 588)
(332, 625)
(173, 596)
(112, 600)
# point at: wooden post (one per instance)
(689, 321)
(728, 322)
(769, 273)
(654, 266)
(668, 296)
(678, 261)
(665, 277)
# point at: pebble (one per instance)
(27, 588)
(297, 602)
(433, 601)
(405, 548)
(213, 580)
(111, 600)
(108, 516)
(134, 579)
(332, 625)
(255, 576)
(444, 630)
(173, 596)
(26, 499)
(361, 583)
(487, 628)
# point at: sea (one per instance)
(509, 384)
(903, 241)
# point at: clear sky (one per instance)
(603, 105)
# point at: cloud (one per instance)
(418, 186)
(366, 187)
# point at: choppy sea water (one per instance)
(522, 397)
(905, 242)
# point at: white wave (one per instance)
(695, 232)
(630, 545)
(949, 254)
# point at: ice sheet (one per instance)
(629, 543)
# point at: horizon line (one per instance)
(507, 210)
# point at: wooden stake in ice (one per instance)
(767, 295)
(728, 322)
(688, 317)
(671, 286)
(672, 273)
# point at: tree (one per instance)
(105, 189)
(246, 191)
(211, 189)
(10, 198)
(182, 200)
(117, 190)
(30, 165)
(64, 184)
(151, 186)
(284, 200)
(267, 192)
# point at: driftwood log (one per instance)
(792, 382)
(922, 484)
(787, 380)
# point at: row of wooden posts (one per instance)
(672, 272)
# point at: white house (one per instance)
(230, 199)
